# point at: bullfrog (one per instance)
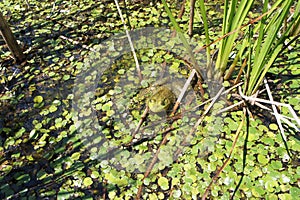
(161, 100)
(161, 96)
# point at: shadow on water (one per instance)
(34, 163)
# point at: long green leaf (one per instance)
(181, 36)
(261, 30)
(207, 39)
(268, 47)
(234, 20)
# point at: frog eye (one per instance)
(165, 102)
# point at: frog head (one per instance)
(161, 100)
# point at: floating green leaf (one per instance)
(273, 127)
(9, 141)
(163, 183)
(295, 192)
(95, 174)
(38, 99)
(258, 191)
(52, 108)
(87, 181)
(75, 156)
(262, 159)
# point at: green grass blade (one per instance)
(261, 29)
(181, 36)
(207, 39)
(268, 48)
(267, 67)
(234, 20)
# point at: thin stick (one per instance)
(143, 117)
(230, 107)
(274, 109)
(225, 92)
(130, 42)
(251, 99)
(279, 116)
(182, 9)
(183, 143)
(151, 165)
(227, 160)
(78, 43)
(192, 13)
(186, 85)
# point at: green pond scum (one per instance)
(112, 134)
